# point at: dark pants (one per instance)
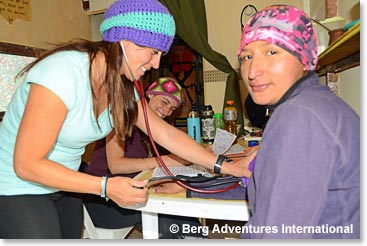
(52, 216)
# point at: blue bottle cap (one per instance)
(253, 143)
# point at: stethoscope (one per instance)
(180, 179)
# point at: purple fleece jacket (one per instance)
(306, 181)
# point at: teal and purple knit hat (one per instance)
(167, 86)
(144, 22)
(287, 27)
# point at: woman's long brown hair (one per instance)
(120, 91)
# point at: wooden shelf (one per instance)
(341, 55)
(96, 12)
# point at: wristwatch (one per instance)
(218, 164)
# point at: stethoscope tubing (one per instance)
(140, 89)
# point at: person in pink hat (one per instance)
(128, 158)
(306, 180)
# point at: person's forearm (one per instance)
(175, 140)
(126, 165)
(186, 148)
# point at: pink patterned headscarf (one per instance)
(287, 27)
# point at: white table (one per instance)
(178, 204)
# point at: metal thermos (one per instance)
(193, 125)
(207, 124)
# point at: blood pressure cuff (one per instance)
(237, 193)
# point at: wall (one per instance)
(52, 21)
(96, 21)
(350, 80)
(224, 33)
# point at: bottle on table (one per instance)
(218, 122)
(230, 117)
(207, 125)
(193, 125)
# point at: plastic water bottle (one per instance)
(218, 122)
(207, 124)
(230, 117)
(193, 125)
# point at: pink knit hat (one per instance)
(287, 27)
(167, 87)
